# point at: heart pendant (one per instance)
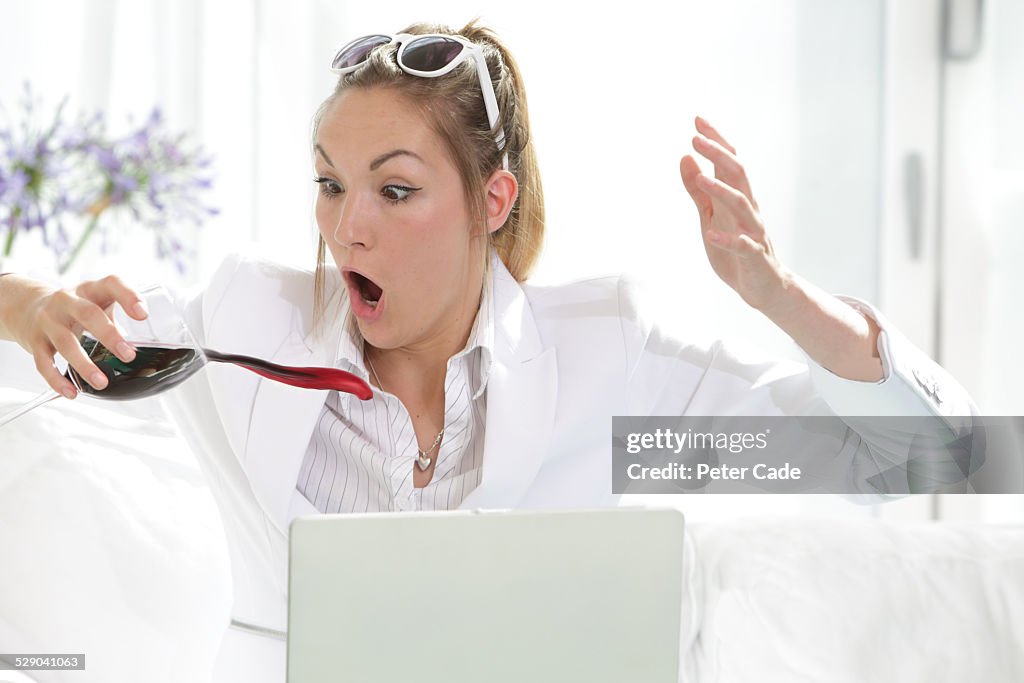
(423, 462)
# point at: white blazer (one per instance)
(566, 359)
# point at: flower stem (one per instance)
(12, 229)
(9, 242)
(81, 243)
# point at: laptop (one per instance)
(499, 596)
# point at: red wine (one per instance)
(155, 369)
(158, 368)
(304, 377)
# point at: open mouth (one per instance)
(369, 291)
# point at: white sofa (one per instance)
(110, 545)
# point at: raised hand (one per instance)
(737, 245)
(833, 333)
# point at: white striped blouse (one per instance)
(361, 455)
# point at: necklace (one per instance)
(423, 458)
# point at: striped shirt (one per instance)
(361, 455)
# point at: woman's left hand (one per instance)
(831, 332)
(737, 245)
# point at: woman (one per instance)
(490, 392)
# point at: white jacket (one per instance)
(566, 359)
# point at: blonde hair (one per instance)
(454, 106)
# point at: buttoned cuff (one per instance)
(912, 384)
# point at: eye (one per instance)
(396, 194)
(328, 188)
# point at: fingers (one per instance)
(68, 345)
(689, 170)
(727, 167)
(57, 381)
(92, 318)
(706, 129)
(64, 315)
(110, 290)
(711, 145)
(735, 202)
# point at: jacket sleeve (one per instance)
(209, 425)
(880, 456)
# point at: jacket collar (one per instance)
(521, 395)
(521, 400)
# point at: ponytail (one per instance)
(519, 242)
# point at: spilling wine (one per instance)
(302, 377)
(158, 367)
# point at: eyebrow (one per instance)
(376, 163)
(324, 155)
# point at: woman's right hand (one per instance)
(51, 321)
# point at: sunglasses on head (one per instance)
(427, 55)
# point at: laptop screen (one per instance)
(556, 595)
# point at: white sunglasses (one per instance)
(427, 55)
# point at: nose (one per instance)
(352, 227)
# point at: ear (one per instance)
(502, 189)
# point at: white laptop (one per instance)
(594, 596)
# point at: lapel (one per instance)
(283, 419)
(521, 395)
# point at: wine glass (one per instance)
(166, 354)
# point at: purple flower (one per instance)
(106, 158)
(54, 168)
(32, 196)
(17, 183)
